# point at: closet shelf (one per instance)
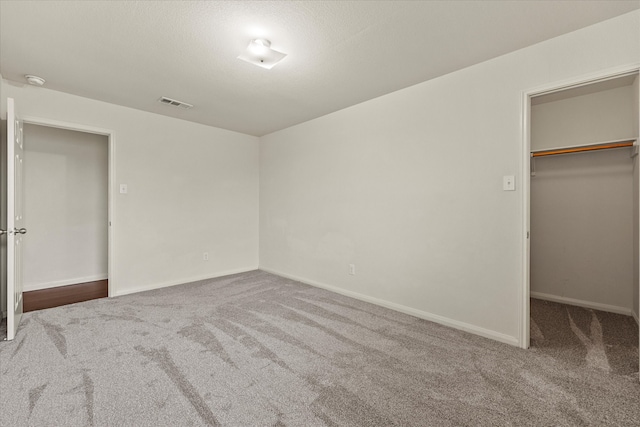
(583, 148)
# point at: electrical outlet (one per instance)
(352, 269)
(205, 256)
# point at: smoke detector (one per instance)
(34, 80)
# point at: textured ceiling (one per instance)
(340, 53)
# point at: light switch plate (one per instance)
(509, 183)
(123, 188)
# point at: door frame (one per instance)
(525, 289)
(111, 136)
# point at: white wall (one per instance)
(192, 188)
(582, 229)
(597, 117)
(408, 186)
(66, 183)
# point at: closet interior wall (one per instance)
(584, 206)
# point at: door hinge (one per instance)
(527, 234)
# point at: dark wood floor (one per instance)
(62, 295)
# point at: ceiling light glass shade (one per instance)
(259, 46)
(259, 53)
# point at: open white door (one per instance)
(636, 201)
(15, 219)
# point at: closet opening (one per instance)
(582, 189)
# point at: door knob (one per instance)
(2, 232)
(20, 231)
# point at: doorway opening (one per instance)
(66, 181)
(581, 203)
(105, 137)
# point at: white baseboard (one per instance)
(635, 316)
(120, 292)
(65, 282)
(467, 327)
(582, 303)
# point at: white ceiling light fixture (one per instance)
(34, 80)
(259, 53)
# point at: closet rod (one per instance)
(585, 148)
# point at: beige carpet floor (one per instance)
(580, 337)
(255, 349)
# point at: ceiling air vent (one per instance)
(168, 101)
